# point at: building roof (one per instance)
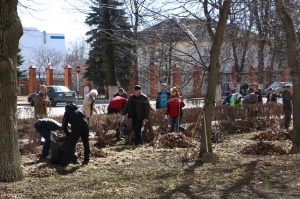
(172, 30)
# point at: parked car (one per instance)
(278, 87)
(56, 94)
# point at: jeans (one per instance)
(137, 128)
(174, 123)
(45, 133)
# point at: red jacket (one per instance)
(173, 106)
(117, 102)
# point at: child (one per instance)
(174, 109)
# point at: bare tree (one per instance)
(77, 54)
(137, 14)
(43, 57)
(214, 68)
(11, 31)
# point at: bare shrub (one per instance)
(105, 126)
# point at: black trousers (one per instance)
(287, 117)
(70, 144)
(137, 128)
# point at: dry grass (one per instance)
(124, 171)
(147, 172)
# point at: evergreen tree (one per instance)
(121, 37)
(20, 61)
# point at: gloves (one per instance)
(166, 117)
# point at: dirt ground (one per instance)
(124, 171)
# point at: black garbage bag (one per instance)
(58, 138)
(57, 142)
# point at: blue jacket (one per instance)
(157, 105)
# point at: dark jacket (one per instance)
(286, 99)
(117, 94)
(50, 124)
(157, 105)
(273, 97)
(226, 101)
(137, 106)
(75, 117)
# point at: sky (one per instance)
(54, 16)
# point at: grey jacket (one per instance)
(250, 99)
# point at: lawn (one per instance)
(150, 172)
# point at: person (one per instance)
(226, 101)
(79, 128)
(245, 87)
(41, 102)
(224, 88)
(137, 108)
(115, 106)
(44, 127)
(259, 98)
(162, 97)
(271, 97)
(287, 105)
(251, 89)
(88, 106)
(235, 101)
(120, 93)
(250, 99)
(174, 109)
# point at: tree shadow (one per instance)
(251, 168)
(66, 170)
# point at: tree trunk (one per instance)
(261, 65)
(10, 30)
(135, 32)
(261, 14)
(214, 68)
(293, 64)
(109, 47)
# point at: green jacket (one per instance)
(234, 103)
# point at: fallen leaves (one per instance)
(173, 140)
(271, 135)
(263, 148)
